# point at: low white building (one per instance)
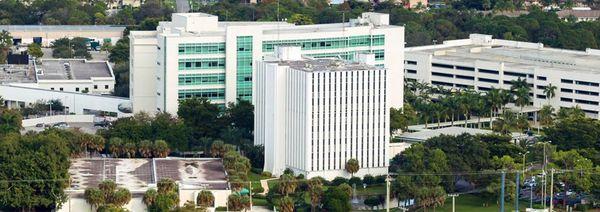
(481, 62)
(138, 175)
(313, 115)
(84, 87)
(46, 34)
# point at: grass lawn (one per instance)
(371, 190)
(259, 201)
(474, 203)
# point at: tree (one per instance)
(145, 148)
(236, 202)
(10, 121)
(35, 50)
(5, 44)
(546, 115)
(372, 201)
(336, 200)
(201, 116)
(352, 166)
(300, 19)
(107, 197)
(346, 188)
(120, 52)
(160, 149)
(286, 204)
(165, 199)
(287, 184)
(550, 91)
(401, 118)
(205, 199)
(315, 192)
(94, 197)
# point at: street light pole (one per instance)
(387, 194)
(453, 202)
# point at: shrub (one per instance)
(266, 174)
(369, 179)
(338, 181)
(355, 181)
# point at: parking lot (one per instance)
(84, 127)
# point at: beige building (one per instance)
(579, 15)
(46, 34)
(138, 175)
(120, 3)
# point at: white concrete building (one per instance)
(195, 55)
(482, 63)
(46, 34)
(313, 115)
(84, 87)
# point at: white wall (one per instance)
(58, 118)
(142, 66)
(76, 102)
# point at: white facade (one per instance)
(481, 63)
(195, 55)
(313, 115)
(77, 103)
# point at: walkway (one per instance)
(458, 123)
(265, 185)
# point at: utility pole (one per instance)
(531, 194)
(502, 192)
(250, 195)
(387, 194)
(552, 188)
(453, 202)
(517, 195)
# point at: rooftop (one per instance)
(579, 13)
(72, 69)
(453, 131)
(143, 173)
(512, 53)
(324, 64)
(16, 74)
(46, 28)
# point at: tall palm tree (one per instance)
(522, 97)
(546, 116)
(352, 166)
(466, 103)
(315, 190)
(519, 83)
(494, 101)
(550, 91)
(287, 184)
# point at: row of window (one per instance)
(244, 67)
(580, 101)
(591, 93)
(201, 48)
(349, 55)
(212, 94)
(201, 63)
(201, 79)
(85, 89)
(328, 43)
(568, 81)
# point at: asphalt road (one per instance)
(183, 6)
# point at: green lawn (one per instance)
(473, 203)
(371, 190)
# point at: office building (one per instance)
(195, 55)
(313, 115)
(481, 62)
(46, 34)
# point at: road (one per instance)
(183, 6)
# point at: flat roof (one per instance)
(427, 134)
(45, 28)
(72, 69)
(323, 64)
(11, 73)
(514, 55)
(142, 173)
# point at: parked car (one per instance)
(62, 125)
(39, 125)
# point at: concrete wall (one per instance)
(142, 66)
(59, 118)
(49, 36)
(75, 102)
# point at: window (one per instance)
(488, 71)
(465, 77)
(465, 68)
(516, 74)
(202, 64)
(95, 87)
(411, 71)
(201, 48)
(487, 80)
(591, 93)
(587, 83)
(566, 90)
(61, 89)
(563, 99)
(410, 62)
(328, 43)
(439, 65)
(201, 79)
(484, 88)
(442, 74)
(541, 78)
(105, 86)
(581, 101)
(566, 81)
(211, 94)
(77, 89)
(541, 96)
(51, 88)
(441, 83)
(541, 87)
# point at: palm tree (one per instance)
(94, 197)
(145, 148)
(315, 190)
(352, 166)
(494, 101)
(160, 149)
(130, 149)
(287, 184)
(115, 146)
(5, 44)
(522, 97)
(121, 197)
(550, 91)
(150, 197)
(519, 83)
(205, 199)
(466, 103)
(546, 116)
(505, 123)
(479, 108)
(451, 103)
(286, 204)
